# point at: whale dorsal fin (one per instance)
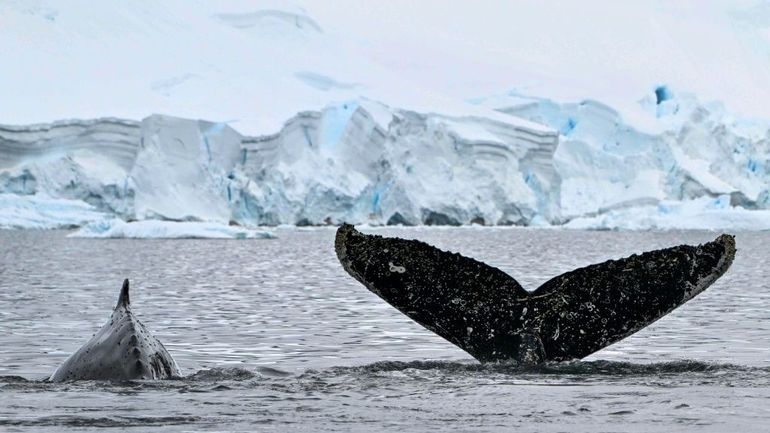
(123, 299)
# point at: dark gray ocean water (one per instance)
(272, 335)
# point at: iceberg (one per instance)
(42, 212)
(119, 229)
(703, 213)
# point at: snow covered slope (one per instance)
(213, 60)
(256, 63)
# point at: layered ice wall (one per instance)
(363, 162)
(84, 160)
(679, 164)
(359, 161)
(676, 149)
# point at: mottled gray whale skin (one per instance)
(123, 349)
(487, 313)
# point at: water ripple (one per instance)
(274, 333)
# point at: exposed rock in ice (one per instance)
(116, 228)
(41, 212)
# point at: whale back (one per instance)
(123, 349)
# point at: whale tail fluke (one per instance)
(612, 300)
(488, 314)
(123, 299)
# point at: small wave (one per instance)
(117, 421)
(592, 368)
(14, 379)
(622, 368)
(222, 373)
(273, 372)
(215, 374)
(596, 369)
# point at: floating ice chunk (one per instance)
(151, 229)
(700, 214)
(43, 212)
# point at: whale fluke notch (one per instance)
(123, 299)
(488, 314)
(123, 349)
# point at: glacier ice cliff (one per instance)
(357, 161)
(363, 162)
(680, 150)
(583, 164)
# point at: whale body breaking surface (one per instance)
(487, 313)
(123, 349)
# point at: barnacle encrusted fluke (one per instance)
(488, 314)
